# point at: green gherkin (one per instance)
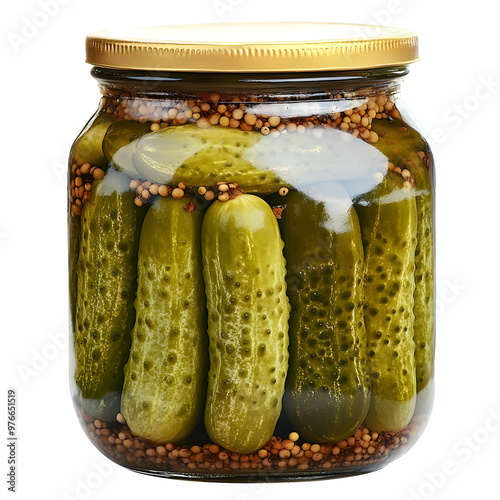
(400, 143)
(388, 219)
(424, 280)
(106, 274)
(88, 146)
(74, 233)
(119, 144)
(165, 377)
(248, 310)
(327, 390)
(203, 156)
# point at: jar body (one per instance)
(251, 274)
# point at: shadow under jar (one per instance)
(251, 253)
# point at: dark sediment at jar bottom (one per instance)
(283, 458)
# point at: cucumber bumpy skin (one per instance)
(388, 219)
(248, 310)
(107, 273)
(327, 389)
(165, 377)
(401, 144)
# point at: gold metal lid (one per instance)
(253, 47)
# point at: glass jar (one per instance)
(251, 253)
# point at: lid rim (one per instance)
(396, 47)
(190, 69)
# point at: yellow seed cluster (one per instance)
(235, 112)
(81, 185)
(409, 181)
(144, 190)
(280, 454)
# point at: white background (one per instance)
(48, 95)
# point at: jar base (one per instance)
(263, 476)
(208, 462)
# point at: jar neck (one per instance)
(307, 86)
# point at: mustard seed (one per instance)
(214, 119)
(250, 119)
(203, 123)
(209, 195)
(85, 168)
(315, 448)
(98, 173)
(163, 190)
(177, 193)
(274, 121)
(214, 449)
(238, 114)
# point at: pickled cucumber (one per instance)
(74, 232)
(388, 220)
(106, 274)
(400, 144)
(424, 308)
(248, 310)
(88, 146)
(119, 144)
(327, 389)
(200, 156)
(165, 377)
